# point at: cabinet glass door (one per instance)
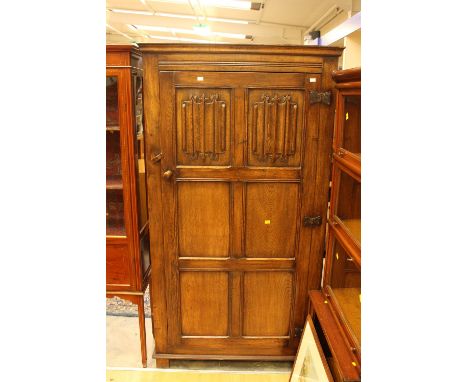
(348, 204)
(345, 283)
(115, 222)
(140, 151)
(352, 123)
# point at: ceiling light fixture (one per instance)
(146, 13)
(176, 15)
(235, 4)
(183, 39)
(119, 32)
(191, 17)
(173, 1)
(202, 29)
(230, 35)
(227, 20)
(152, 28)
(189, 31)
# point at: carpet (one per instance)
(116, 306)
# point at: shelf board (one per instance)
(112, 128)
(339, 346)
(115, 231)
(114, 183)
(350, 303)
(354, 227)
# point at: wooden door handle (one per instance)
(167, 174)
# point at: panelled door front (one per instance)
(238, 166)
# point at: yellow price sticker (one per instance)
(267, 222)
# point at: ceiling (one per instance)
(275, 22)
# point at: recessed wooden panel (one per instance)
(204, 304)
(203, 126)
(271, 219)
(267, 303)
(203, 216)
(275, 126)
(118, 265)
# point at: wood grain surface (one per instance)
(244, 157)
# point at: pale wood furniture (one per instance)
(238, 159)
(127, 236)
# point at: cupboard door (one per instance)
(238, 172)
(115, 140)
(120, 262)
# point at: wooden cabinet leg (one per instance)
(162, 363)
(141, 319)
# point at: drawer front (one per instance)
(118, 267)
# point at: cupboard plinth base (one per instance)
(216, 357)
(162, 363)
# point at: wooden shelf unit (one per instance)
(336, 309)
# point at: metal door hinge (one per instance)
(298, 332)
(155, 158)
(312, 221)
(323, 97)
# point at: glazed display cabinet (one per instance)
(336, 309)
(239, 139)
(127, 236)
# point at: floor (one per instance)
(123, 342)
(124, 360)
(157, 375)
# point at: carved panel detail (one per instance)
(204, 127)
(274, 128)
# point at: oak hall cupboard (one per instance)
(238, 149)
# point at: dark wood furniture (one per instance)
(238, 141)
(127, 234)
(336, 309)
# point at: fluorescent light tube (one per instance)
(153, 28)
(236, 4)
(176, 15)
(190, 31)
(121, 33)
(229, 35)
(147, 13)
(227, 20)
(173, 38)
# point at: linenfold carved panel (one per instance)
(203, 125)
(275, 128)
